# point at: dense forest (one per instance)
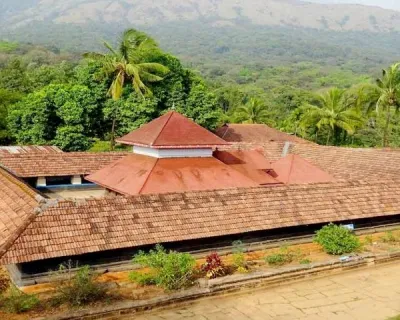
(325, 93)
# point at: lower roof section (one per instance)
(76, 228)
(139, 174)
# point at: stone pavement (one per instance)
(361, 294)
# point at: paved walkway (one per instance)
(362, 294)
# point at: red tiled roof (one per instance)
(255, 133)
(70, 228)
(17, 204)
(172, 130)
(293, 169)
(28, 149)
(57, 164)
(139, 174)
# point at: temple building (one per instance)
(186, 188)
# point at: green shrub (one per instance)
(144, 279)
(337, 240)
(305, 261)
(279, 259)
(238, 257)
(171, 270)
(80, 288)
(16, 301)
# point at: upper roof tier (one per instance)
(172, 131)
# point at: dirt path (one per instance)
(362, 294)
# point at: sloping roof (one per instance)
(293, 169)
(253, 158)
(255, 133)
(57, 164)
(28, 149)
(250, 163)
(172, 130)
(139, 174)
(113, 223)
(17, 204)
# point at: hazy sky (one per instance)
(390, 4)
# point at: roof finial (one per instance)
(173, 106)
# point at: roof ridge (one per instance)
(18, 182)
(148, 176)
(162, 128)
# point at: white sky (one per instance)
(389, 4)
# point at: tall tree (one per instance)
(255, 111)
(386, 94)
(130, 62)
(332, 111)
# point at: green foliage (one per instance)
(57, 114)
(334, 113)
(8, 46)
(172, 270)
(305, 261)
(16, 301)
(79, 288)
(337, 240)
(279, 259)
(238, 257)
(144, 279)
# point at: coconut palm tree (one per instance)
(385, 95)
(333, 111)
(253, 112)
(129, 63)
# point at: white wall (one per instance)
(174, 153)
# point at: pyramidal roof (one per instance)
(293, 169)
(172, 130)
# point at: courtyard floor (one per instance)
(361, 294)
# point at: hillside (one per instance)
(293, 13)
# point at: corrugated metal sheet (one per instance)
(293, 169)
(138, 174)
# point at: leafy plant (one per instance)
(16, 301)
(305, 261)
(214, 266)
(239, 259)
(80, 288)
(337, 240)
(144, 279)
(172, 270)
(279, 259)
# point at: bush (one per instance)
(171, 270)
(337, 240)
(213, 267)
(81, 288)
(16, 301)
(144, 279)
(239, 259)
(279, 259)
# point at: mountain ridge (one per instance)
(293, 13)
